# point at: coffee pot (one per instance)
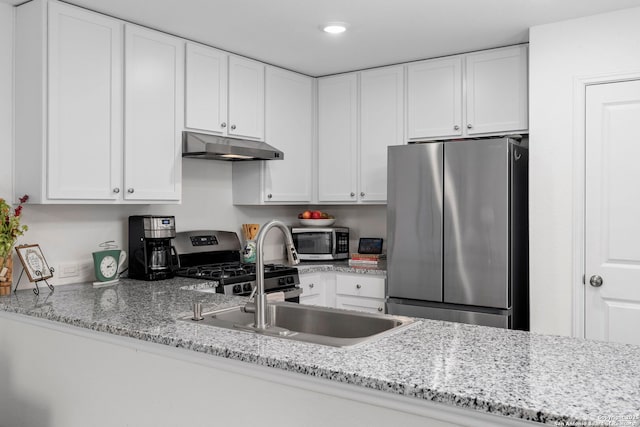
(151, 253)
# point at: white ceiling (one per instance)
(382, 32)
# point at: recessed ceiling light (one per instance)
(334, 27)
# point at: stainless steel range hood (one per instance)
(212, 147)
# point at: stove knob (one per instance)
(247, 287)
(290, 279)
(281, 281)
(237, 289)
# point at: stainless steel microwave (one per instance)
(321, 243)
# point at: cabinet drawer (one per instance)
(360, 285)
(370, 305)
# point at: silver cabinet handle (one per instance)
(456, 127)
(353, 194)
(380, 309)
(130, 190)
(358, 286)
(362, 194)
(223, 125)
(233, 127)
(269, 196)
(311, 285)
(116, 190)
(469, 126)
(595, 281)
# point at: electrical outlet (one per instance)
(68, 269)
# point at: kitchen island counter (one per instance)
(515, 374)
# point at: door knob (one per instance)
(469, 126)
(456, 127)
(595, 281)
(130, 190)
(233, 127)
(223, 125)
(358, 286)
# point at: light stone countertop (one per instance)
(549, 379)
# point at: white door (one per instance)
(85, 105)
(434, 98)
(289, 127)
(381, 125)
(246, 98)
(337, 138)
(497, 90)
(154, 115)
(206, 89)
(612, 264)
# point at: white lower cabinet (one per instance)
(314, 289)
(360, 292)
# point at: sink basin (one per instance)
(320, 325)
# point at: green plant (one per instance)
(10, 228)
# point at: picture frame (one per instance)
(33, 261)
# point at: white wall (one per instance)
(561, 54)
(70, 233)
(6, 98)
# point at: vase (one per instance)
(6, 275)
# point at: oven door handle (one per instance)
(292, 293)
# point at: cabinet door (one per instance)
(381, 125)
(313, 290)
(337, 138)
(206, 89)
(85, 105)
(246, 98)
(154, 64)
(434, 98)
(497, 90)
(289, 126)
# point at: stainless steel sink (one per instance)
(320, 325)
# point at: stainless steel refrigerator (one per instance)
(457, 230)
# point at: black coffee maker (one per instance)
(150, 248)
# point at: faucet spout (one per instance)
(260, 298)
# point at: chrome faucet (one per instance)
(260, 298)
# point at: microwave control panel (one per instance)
(342, 243)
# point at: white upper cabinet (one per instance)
(289, 128)
(477, 94)
(206, 89)
(154, 114)
(359, 116)
(78, 155)
(246, 98)
(70, 116)
(224, 93)
(337, 138)
(497, 91)
(435, 98)
(381, 125)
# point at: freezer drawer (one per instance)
(451, 315)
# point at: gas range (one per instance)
(215, 256)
